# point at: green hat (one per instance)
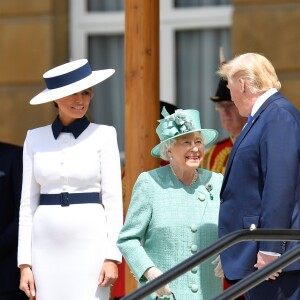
(179, 123)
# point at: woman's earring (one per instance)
(171, 158)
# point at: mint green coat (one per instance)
(166, 223)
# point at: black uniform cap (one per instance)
(222, 93)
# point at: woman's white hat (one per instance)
(68, 79)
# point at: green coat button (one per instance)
(194, 228)
(194, 288)
(194, 248)
(201, 197)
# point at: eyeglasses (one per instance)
(224, 106)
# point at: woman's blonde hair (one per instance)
(254, 68)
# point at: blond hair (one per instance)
(254, 68)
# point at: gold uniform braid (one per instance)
(221, 160)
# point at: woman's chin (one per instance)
(193, 163)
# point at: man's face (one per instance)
(230, 118)
(239, 96)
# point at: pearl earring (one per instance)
(171, 158)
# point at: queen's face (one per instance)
(74, 106)
(188, 151)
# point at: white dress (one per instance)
(66, 246)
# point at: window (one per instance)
(191, 32)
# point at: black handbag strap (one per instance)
(174, 298)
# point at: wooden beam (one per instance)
(141, 95)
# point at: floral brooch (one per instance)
(209, 188)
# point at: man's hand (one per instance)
(218, 269)
(264, 259)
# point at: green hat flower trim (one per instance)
(179, 123)
(174, 124)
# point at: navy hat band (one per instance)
(68, 78)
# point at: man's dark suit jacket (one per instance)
(10, 194)
(262, 184)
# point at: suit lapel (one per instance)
(233, 151)
(244, 133)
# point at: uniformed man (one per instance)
(215, 159)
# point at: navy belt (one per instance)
(65, 199)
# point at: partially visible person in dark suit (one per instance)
(261, 184)
(10, 194)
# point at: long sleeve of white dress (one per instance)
(90, 163)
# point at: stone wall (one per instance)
(271, 28)
(34, 38)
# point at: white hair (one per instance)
(165, 147)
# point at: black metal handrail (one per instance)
(257, 277)
(214, 249)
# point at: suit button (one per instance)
(194, 270)
(221, 200)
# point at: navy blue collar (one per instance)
(76, 128)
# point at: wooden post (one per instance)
(141, 95)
